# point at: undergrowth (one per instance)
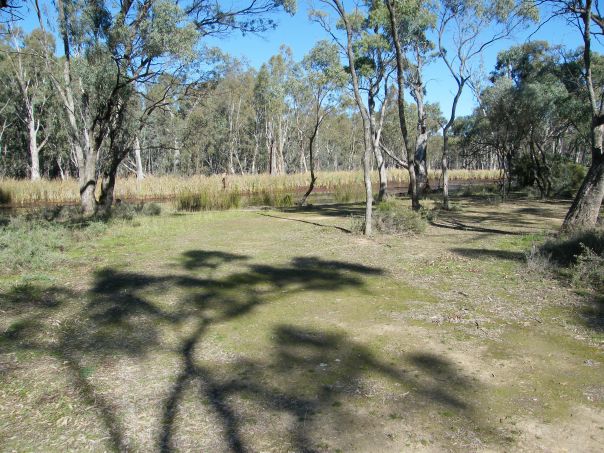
(578, 257)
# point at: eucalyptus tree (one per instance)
(464, 29)
(273, 102)
(352, 26)
(586, 15)
(324, 78)
(111, 52)
(33, 91)
(404, 32)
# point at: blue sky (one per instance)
(300, 34)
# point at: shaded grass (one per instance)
(235, 331)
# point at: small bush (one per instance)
(357, 224)
(392, 216)
(151, 209)
(563, 251)
(431, 215)
(31, 245)
(588, 271)
(578, 256)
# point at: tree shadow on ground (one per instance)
(329, 209)
(488, 253)
(308, 222)
(456, 225)
(306, 373)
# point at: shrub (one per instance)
(357, 224)
(151, 209)
(392, 216)
(563, 251)
(285, 202)
(588, 270)
(578, 256)
(567, 178)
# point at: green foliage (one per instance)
(567, 178)
(394, 217)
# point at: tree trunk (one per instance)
(383, 174)
(585, 209)
(364, 116)
(34, 151)
(311, 159)
(107, 190)
(140, 175)
(400, 80)
(445, 170)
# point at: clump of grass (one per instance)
(349, 193)
(356, 224)
(208, 200)
(588, 271)
(565, 249)
(32, 245)
(579, 256)
(394, 217)
(127, 211)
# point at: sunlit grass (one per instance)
(25, 192)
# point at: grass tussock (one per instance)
(207, 200)
(393, 216)
(25, 192)
(578, 256)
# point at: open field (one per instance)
(280, 331)
(18, 192)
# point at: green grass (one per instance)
(275, 331)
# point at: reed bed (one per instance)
(16, 192)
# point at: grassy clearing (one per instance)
(346, 183)
(280, 331)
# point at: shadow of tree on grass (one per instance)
(306, 374)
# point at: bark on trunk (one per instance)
(585, 209)
(140, 175)
(586, 206)
(34, 151)
(311, 159)
(400, 80)
(364, 116)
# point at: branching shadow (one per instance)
(456, 225)
(306, 375)
(344, 230)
